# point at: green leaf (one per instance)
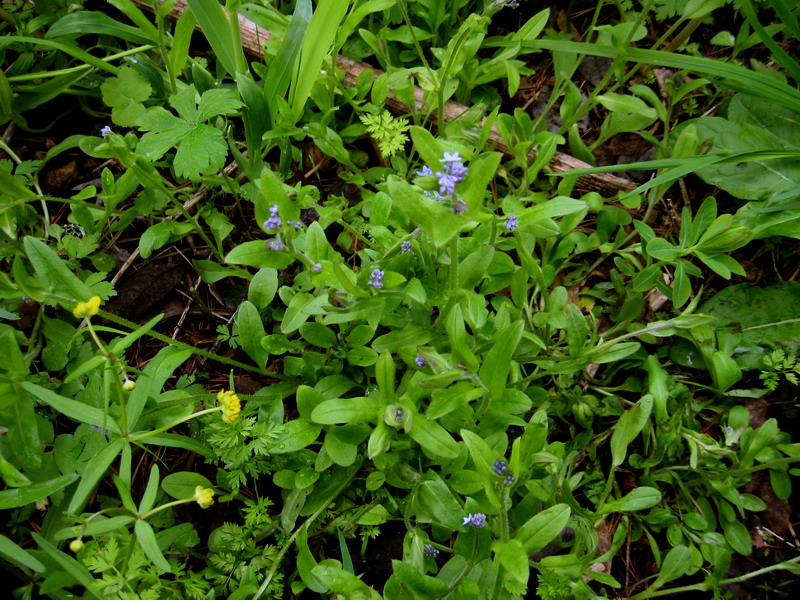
(147, 540)
(182, 484)
(217, 102)
(514, 559)
(92, 473)
(306, 563)
(149, 385)
(219, 32)
(17, 556)
(54, 272)
(423, 585)
(202, 150)
(125, 94)
(346, 410)
(255, 254)
(433, 437)
(675, 564)
(73, 409)
(70, 565)
(251, 331)
(411, 335)
(628, 427)
(437, 504)
(747, 334)
(639, 499)
(149, 496)
(17, 497)
(497, 363)
(293, 436)
(542, 528)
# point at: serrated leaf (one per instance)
(217, 102)
(202, 150)
(125, 94)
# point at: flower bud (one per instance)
(76, 546)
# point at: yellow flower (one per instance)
(203, 496)
(76, 546)
(231, 405)
(87, 309)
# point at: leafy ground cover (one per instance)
(399, 299)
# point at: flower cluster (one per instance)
(453, 172)
(398, 415)
(276, 244)
(203, 496)
(501, 468)
(430, 551)
(476, 520)
(405, 247)
(274, 220)
(87, 309)
(231, 405)
(376, 279)
(420, 361)
(511, 223)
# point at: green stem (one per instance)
(173, 342)
(158, 509)
(175, 423)
(77, 69)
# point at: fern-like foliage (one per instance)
(388, 131)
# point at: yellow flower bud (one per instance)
(231, 405)
(87, 309)
(203, 496)
(76, 546)
(128, 385)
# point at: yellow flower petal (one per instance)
(231, 405)
(87, 309)
(203, 496)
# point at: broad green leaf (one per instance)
(256, 254)
(149, 385)
(749, 334)
(293, 436)
(424, 586)
(675, 564)
(251, 331)
(200, 151)
(21, 496)
(147, 540)
(437, 504)
(182, 484)
(346, 410)
(514, 559)
(542, 528)
(149, 496)
(306, 563)
(639, 499)
(411, 335)
(628, 427)
(54, 272)
(433, 437)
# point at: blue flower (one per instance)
(430, 551)
(511, 223)
(451, 158)
(398, 414)
(476, 520)
(499, 467)
(405, 247)
(317, 268)
(425, 172)
(447, 183)
(274, 220)
(420, 361)
(105, 131)
(510, 479)
(376, 279)
(276, 245)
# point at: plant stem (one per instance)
(175, 423)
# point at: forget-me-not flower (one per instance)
(274, 220)
(511, 223)
(476, 520)
(376, 279)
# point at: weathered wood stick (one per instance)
(254, 37)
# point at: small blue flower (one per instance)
(509, 480)
(435, 196)
(511, 223)
(425, 172)
(405, 247)
(296, 224)
(274, 220)
(476, 520)
(376, 279)
(500, 467)
(276, 245)
(430, 551)
(447, 183)
(97, 428)
(398, 414)
(317, 268)
(420, 361)
(451, 158)
(457, 170)
(105, 131)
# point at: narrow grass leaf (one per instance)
(218, 31)
(147, 540)
(17, 497)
